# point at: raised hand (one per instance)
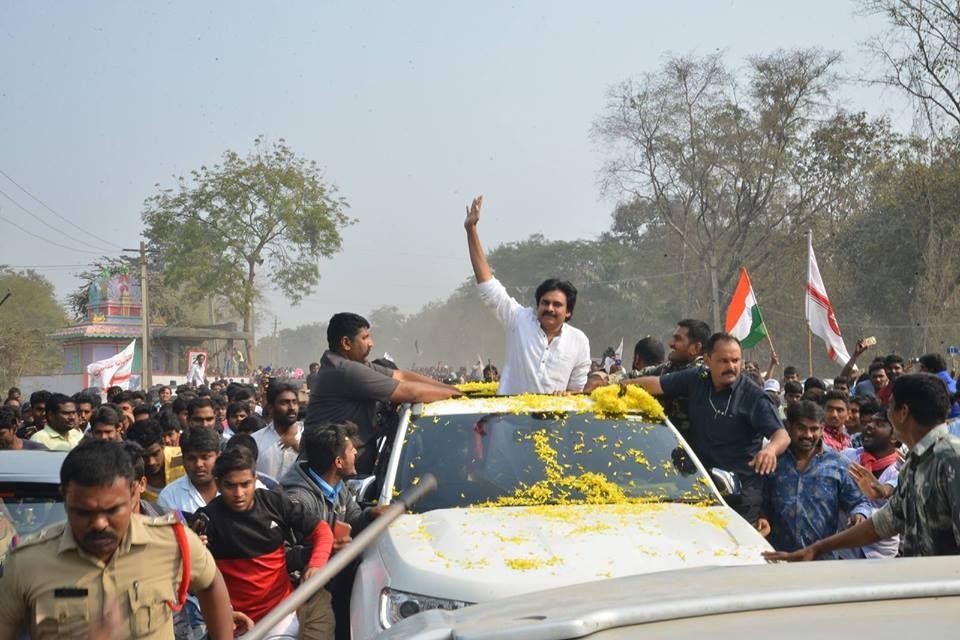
(473, 212)
(866, 481)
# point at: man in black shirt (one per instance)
(347, 388)
(729, 418)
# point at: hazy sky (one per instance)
(412, 108)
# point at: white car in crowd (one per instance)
(538, 492)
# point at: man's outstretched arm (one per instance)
(421, 392)
(481, 268)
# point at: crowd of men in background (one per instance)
(858, 465)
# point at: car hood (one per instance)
(478, 553)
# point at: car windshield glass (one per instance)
(26, 508)
(505, 459)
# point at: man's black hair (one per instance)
(106, 414)
(933, 362)
(814, 394)
(55, 401)
(555, 284)
(926, 396)
(875, 366)
(200, 441)
(697, 330)
(184, 388)
(123, 396)
(39, 397)
(836, 394)
(243, 394)
(136, 456)
(145, 433)
(275, 389)
(814, 383)
(650, 350)
(143, 409)
(841, 380)
(251, 423)
(892, 359)
(168, 420)
(232, 459)
(244, 440)
(236, 407)
(13, 392)
(792, 386)
(138, 396)
(199, 403)
(804, 410)
(8, 418)
(717, 338)
(344, 325)
(83, 397)
(790, 370)
(163, 388)
(325, 443)
(113, 392)
(868, 404)
(219, 401)
(96, 463)
(179, 404)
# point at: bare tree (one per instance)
(921, 52)
(724, 164)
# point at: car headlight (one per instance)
(397, 605)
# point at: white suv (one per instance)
(536, 492)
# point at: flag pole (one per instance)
(810, 350)
(809, 330)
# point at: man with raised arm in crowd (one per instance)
(729, 418)
(348, 388)
(544, 353)
(925, 507)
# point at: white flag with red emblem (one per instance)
(114, 371)
(819, 311)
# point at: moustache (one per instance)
(98, 537)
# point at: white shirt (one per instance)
(888, 547)
(273, 458)
(533, 364)
(181, 494)
(196, 374)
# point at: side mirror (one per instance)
(361, 488)
(727, 483)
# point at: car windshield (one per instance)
(26, 508)
(505, 459)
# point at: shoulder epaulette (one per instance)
(165, 520)
(48, 533)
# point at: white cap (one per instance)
(772, 385)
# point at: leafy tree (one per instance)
(230, 228)
(27, 318)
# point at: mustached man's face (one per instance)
(725, 362)
(552, 310)
(99, 516)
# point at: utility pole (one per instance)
(276, 344)
(145, 377)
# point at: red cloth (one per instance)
(838, 440)
(259, 584)
(884, 395)
(875, 465)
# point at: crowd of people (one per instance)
(194, 511)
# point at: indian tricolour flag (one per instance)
(743, 315)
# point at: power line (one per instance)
(35, 216)
(47, 240)
(54, 212)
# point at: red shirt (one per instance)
(838, 440)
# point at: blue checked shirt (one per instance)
(806, 506)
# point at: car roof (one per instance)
(680, 597)
(31, 466)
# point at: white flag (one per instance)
(619, 353)
(819, 311)
(114, 371)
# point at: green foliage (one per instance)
(269, 216)
(28, 316)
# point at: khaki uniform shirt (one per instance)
(56, 442)
(54, 588)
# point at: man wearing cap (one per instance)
(772, 388)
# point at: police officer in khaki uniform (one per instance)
(108, 572)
